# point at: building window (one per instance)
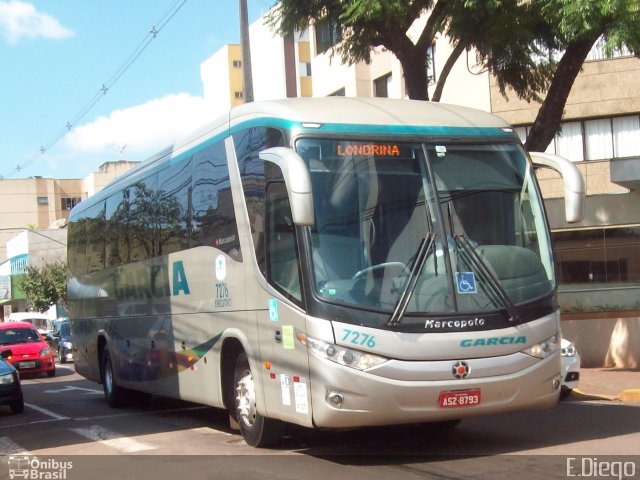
(431, 66)
(43, 200)
(598, 269)
(569, 141)
(598, 256)
(328, 34)
(597, 139)
(626, 131)
(237, 64)
(304, 69)
(381, 86)
(598, 51)
(67, 203)
(238, 94)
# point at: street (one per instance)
(67, 417)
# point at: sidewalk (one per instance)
(609, 384)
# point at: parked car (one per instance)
(10, 388)
(30, 353)
(570, 368)
(40, 321)
(60, 340)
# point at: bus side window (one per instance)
(283, 270)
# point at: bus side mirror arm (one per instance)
(573, 183)
(297, 180)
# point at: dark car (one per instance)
(60, 340)
(10, 388)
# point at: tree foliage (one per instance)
(366, 24)
(576, 25)
(511, 38)
(502, 32)
(45, 286)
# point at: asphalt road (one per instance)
(67, 420)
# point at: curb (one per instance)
(626, 396)
(630, 396)
(592, 396)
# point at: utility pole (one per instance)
(247, 77)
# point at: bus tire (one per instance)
(115, 395)
(257, 431)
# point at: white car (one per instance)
(570, 368)
(40, 321)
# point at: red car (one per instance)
(30, 353)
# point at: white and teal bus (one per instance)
(329, 262)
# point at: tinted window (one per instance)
(173, 208)
(249, 143)
(282, 252)
(213, 219)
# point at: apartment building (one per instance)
(281, 68)
(41, 203)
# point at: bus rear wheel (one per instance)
(115, 395)
(256, 430)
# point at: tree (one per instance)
(578, 25)
(504, 32)
(510, 38)
(366, 24)
(45, 286)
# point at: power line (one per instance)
(103, 90)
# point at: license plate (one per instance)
(459, 398)
(27, 365)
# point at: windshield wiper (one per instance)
(476, 260)
(403, 301)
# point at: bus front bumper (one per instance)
(344, 398)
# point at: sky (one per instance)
(56, 56)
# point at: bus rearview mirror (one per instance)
(297, 180)
(573, 183)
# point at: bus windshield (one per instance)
(450, 227)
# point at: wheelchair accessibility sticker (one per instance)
(466, 282)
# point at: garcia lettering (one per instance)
(490, 341)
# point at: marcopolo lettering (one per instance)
(489, 341)
(460, 324)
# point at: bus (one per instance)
(325, 262)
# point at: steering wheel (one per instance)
(380, 266)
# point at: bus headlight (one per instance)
(569, 350)
(339, 354)
(544, 349)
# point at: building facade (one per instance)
(281, 68)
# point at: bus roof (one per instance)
(368, 111)
(344, 114)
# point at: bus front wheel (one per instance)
(256, 430)
(114, 394)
